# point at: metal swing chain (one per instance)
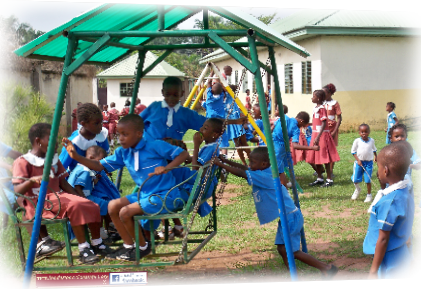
(208, 173)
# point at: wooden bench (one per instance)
(413, 122)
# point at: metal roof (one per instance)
(347, 22)
(135, 17)
(127, 67)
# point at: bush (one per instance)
(22, 108)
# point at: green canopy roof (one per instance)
(141, 18)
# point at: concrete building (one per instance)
(120, 77)
(370, 56)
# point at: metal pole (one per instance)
(47, 164)
(139, 72)
(272, 157)
(286, 139)
(196, 86)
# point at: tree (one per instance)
(21, 33)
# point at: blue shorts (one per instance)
(395, 263)
(295, 224)
(357, 176)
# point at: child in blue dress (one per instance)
(142, 159)
(259, 176)
(168, 118)
(399, 133)
(391, 215)
(84, 180)
(391, 119)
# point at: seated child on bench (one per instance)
(259, 176)
(142, 159)
(83, 180)
(77, 209)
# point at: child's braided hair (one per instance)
(392, 105)
(397, 126)
(87, 111)
(331, 88)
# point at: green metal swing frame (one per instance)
(85, 44)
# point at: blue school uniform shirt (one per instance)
(390, 122)
(235, 114)
(155, 118)
(264, 195)
(259, 123)
(142, 160)
(82, 176)
(214, 105)
(81, 144)
(278, 137)
(292, 129)
(307, 133)
(394, 212)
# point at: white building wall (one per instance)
(149, 91)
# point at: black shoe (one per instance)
(331, 272)
(129, 254)
(119, 252)
(87, 256)
(48, 247)
(327, 184)
(316, 182)
(112, 238)
(102, 249)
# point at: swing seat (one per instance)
(182, 213)
(17, 214)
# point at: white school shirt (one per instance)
(364, 149)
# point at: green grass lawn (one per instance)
(335, 226)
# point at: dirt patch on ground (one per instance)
(229, 194)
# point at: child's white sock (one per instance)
(178, 227)
(144, 247)
(357, 186)
(103, 233)
(329, 180)
(320, 179)
(84, 245)
(128, 246)
(96, 242)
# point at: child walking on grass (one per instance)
(391, 119)
(259, 176)
(77, 209)
(363, 150)
(391, 215)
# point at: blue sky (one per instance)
(46, 16)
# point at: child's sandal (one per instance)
(330, 273)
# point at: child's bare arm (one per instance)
(358, 160)
(91, 164)
(396, 120)
(181, 158)
(22, 188)
(375, 157)
(79, 191)
(296, 146)
(322, 128)
(233, 164)
(233, 170)
(197, 141)
(65, 186)
(379, 252)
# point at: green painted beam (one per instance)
(198, 45)
(172, 33)
(161, 18)
(206, 22)
(88, 54)
(246, 54)
(157, 61)
(234, 54)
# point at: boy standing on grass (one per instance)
(391, 215)
(259, 176)
(363, 149)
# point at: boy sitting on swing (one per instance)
(142, 159)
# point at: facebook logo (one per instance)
(128, 278)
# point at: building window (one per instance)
(126, 89)
(289, 84)
(306, 77)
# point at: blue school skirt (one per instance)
(235, 131)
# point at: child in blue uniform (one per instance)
(391, 119)
(84, 180)
(399, 133)
(391, 215)
(259, 176)
(257, 115)
(168, 118)
(142, 159)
